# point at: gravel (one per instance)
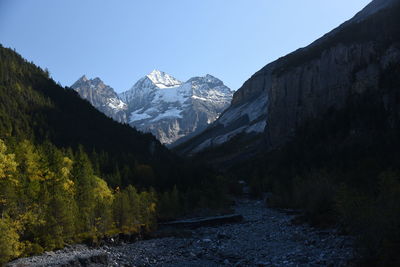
(264, 238)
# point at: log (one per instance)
(205, 221)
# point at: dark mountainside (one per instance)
(318, 130)
(306, 83)
(37, 109)
(69, 174)
(331, 142)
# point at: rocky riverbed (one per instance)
(266, 237)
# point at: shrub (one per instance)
(314, 194)
(375, 218)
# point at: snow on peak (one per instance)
(162, 79)
(209, 88)
(211, 78)
(83, 78)
(171, 101)
(161, 104)
(146, 87)
(208, 79)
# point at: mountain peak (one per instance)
(97, 80)
(373, 7)
(92, 84)
(162, 79)
(208, 78)
(156, 72)
(83, 78)
(172, 112)
(212, 78)
(101, 96)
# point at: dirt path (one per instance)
(264, 238)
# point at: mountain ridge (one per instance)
(101, 96)
(161, 104)
(285, 90)
(177, 109)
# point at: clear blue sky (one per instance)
(121, 41)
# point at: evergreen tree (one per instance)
(83, 177)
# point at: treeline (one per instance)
(69, 174)
(51, 197)
(342, 169)
(34, 107)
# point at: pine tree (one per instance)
(62, 208)
(120, 205)
(84, 179)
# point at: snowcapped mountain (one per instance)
(170, 109)
(145, 88)
(161, 104)
(102, 97)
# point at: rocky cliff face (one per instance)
(102, 97)
(160, 104)
(146, 87)
(309, 90)
(170, 109)
(350, 60)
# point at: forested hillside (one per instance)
(69, 174)
(34, 107)
(339, 165)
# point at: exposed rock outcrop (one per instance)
(160, 104)
(170, 109)
(102, 97)
(350, 60)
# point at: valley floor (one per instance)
(264, 238)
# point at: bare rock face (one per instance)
(146, 88)
(305, 84)
(102, 97)
(327, 82)
(160, 104)
(170, 109)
